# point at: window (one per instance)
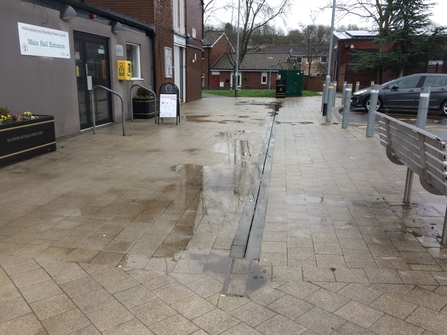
(411, 82)
(435, 81)
(133, 55)
(178, 16)
(168, 62)
(323, 59)
(299, 59)
(264, 78)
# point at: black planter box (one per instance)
(143, 108)
(25, 138)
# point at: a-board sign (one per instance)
(168, 105)
(169, 102)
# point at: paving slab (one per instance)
(138, 234)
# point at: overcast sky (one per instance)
(301, 13)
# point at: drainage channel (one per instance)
(248, 239)
(244, 274)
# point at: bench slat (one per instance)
(430, 138)
(421, 151)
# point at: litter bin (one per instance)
(280, 88)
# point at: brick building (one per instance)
(257, 70)
(162, 40)
(346, 43)
(311, 60)
(178, 41)
(214, 45)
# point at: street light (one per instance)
(328, 77)
(270, 75)
(237, 50)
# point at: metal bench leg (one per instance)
(408, 186)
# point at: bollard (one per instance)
(343, 94)
(347, 106)
(335, 93)
(324, 100)
(357, 86)
(424, 99)
(325, 95)
(331, 93)
(372, 111)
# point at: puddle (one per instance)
(226, 135)
(215, 205)
(239, 150)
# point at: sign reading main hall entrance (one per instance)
(43, 42)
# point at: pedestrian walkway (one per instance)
(132, 234)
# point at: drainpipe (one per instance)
(154, 68)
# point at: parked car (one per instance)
(403, 93)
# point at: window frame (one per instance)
(178, 16)
(168, 63)
(135, 59)
(264, 74)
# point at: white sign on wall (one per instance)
(119, 49)
(43, 42)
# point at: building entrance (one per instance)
(92, 59)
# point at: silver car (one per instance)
(403, 93)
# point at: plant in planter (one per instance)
(143, 104)
(7, 117)
(25, 134)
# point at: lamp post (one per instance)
(270, 75)
(328, 77)
(237, 50)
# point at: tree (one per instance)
(256, 14)
(314, 39)
(210, 11)
(365, 10)
(267, 35)
(351, 27)
(407, 41)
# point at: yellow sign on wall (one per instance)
(124, 69)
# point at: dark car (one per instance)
(403, 93)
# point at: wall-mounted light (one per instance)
(352, 47)
(67, 13)
(116, 26)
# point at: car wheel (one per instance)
(367, 103)
(444, 108)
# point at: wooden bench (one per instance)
(421, 152)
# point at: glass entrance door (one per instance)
(92, 59)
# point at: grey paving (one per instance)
(133, 235)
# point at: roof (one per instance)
(294, 50)
(355, 34)
(211, 37)
(253, 61)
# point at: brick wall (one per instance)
(212, 54)
(159, 13)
